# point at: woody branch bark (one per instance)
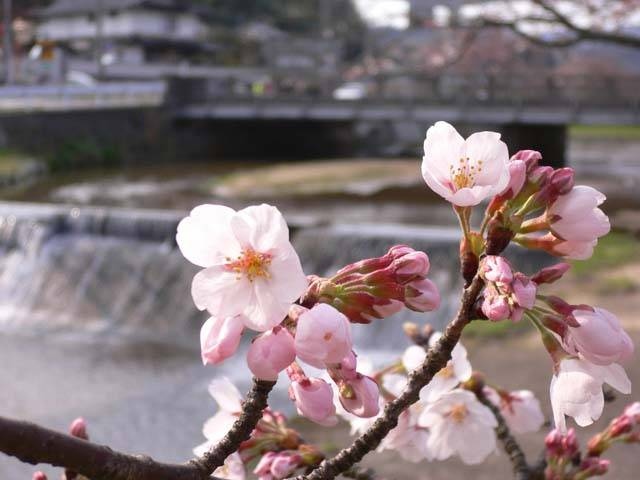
(521, 469)
(437, 357)
(33, 444)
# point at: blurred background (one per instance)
(118, 116)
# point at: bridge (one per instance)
(388, 114)
(550, 99)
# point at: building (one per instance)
(129, 32)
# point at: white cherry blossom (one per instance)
(520, 409)
(464, 172)
(576, 390)
(459, 424)
(229, 401)
(250, 267)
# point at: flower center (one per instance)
(458, 412)
(464, 175)
(446, 372)
(250, 263)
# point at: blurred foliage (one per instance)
(83, 152)
(617, 284)
(613, 250)
(486, 328)
(618, 132)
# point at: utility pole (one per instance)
(98, 47)
(7, 50)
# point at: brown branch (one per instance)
(252, 408)
(33, 444)
(437, 357)
(521, 469)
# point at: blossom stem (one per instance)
(534, 225)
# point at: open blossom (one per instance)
(270, 353)
(459, 424)
(232, 469)
(464, 172)
(219, 338)
(323, 336)
(408, 439)
(457, 370)
(229, 403)
(250, 267)
(314, 400)
(599, 338)
(495, 268)
(277, 465)
(520, 409)
(576, 390)
(575, 217)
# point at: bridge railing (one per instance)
(571, 91)
(75, 97)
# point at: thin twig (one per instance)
(521, 469)
(436, 359)
(33, 444)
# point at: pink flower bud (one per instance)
(496, 269)
(621, 425)
(570, 443)
(398, 251)
(386, 308)
(284, 464)
(219, 338)
(496, 307)
(323, 336)
(364, 401)
(517, 173)
(599, 338)
(411, 265)
(264, 465)
(422, 295)
(529, 157)
(553, 443)
(540, 175)
(594, 466)
(524, 291)
(561, 180)
(270, 353)
(347, 368)
(78, 428)
(575, 216)
(314, 400)
(39, 476)
(551, 274)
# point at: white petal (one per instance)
(413, 357)
(220, 292)
(616, 376)
(288, 281)
(486, 147)
(225, 393)
(442, 148)
(205, 237)
(217, 426)
(268, 229)
(265, 311)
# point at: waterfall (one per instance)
(117, 274)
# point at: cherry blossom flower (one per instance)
(250, 267)
(464, 172)
(219, 338)
(229, 401)
(576, 390)
(459, 424)
(314, 400)
(495, 268)
(575, 217)
(323, 336)
(457, 370)
(599, 338)
(520, 409)
(408, 439)
(270, 353)
(277, 465)
(232, 469)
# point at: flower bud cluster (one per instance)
(568, 221)
(507, 294)
(376, 288)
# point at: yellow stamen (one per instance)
(464, 175)
(458, 412)
(250, 263)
